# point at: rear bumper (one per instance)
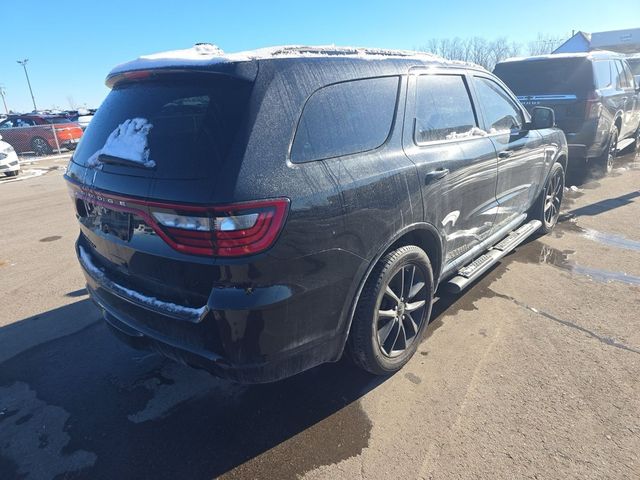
(255, 337)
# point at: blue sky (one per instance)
(72, 45)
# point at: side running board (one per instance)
(468, 274)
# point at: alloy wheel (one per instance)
(553, 198)
(401, 311)
(612, 151)
(40, 146)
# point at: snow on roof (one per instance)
(204, 54)
(550, 56)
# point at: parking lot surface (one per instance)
(531, 373)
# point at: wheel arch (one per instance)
(421, 234)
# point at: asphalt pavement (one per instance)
(533, 372)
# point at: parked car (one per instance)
(34, 133)
(257, 214)
(594, 96)
(634, 64)
(9, 164)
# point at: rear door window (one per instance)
(602, 71)
(443, 109)
(346, 118)
(622, 80)
(185, 123)
(500, 111)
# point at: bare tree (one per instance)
(72, 102)
(488, 52)
(545, 44)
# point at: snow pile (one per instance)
(129, 142)
(152, 302)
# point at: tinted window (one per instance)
(602, 71)
(634, 63)
(500, 112)
(622, 80)
(7, 124)
(57, 120)
(345, 118)
(548, 76)
(443, 108)
(629, 75)
(194, 120)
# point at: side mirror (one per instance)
(542, 117)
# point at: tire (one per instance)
(636, 143)
(40, 146)
(605, 162)
(12, 174)
(547, 206)
(384, 338)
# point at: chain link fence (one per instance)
(29, 140)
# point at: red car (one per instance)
(35, 133)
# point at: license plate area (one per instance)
(108, 221)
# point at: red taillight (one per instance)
(593, 106)
(229, 231)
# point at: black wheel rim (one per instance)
(39, 146)
(613, 150)
(553, 198)
(402, 310)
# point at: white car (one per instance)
(9, 163)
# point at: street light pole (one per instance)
(24, 65)
(4, 101)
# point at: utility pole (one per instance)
(4, 101)
(24, 65)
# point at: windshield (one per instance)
(547, 76)
(181, 124)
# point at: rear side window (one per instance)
(443, 108)
(602, 72)
(500, 111)
(345, 118)
(634, 63)
(193, 118)
(558, 76)
(623, 80)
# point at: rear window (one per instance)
(57, 120)
(548, 76)
(345, 118)
(193, 122)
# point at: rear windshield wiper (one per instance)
(113, 160)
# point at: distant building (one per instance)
(622, 41)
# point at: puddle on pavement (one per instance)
(537, 252)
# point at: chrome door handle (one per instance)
(505, 154)
(437, 174)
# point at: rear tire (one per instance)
(605, 162)
(40, 146)
(393, 311)
(547, 207)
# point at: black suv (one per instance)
(594, 96)
(256, 214)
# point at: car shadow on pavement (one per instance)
(83, 405)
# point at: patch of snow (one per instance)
(153, 302)
(573, 188)
(129, 142)
(474, 132)
(208, 54)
